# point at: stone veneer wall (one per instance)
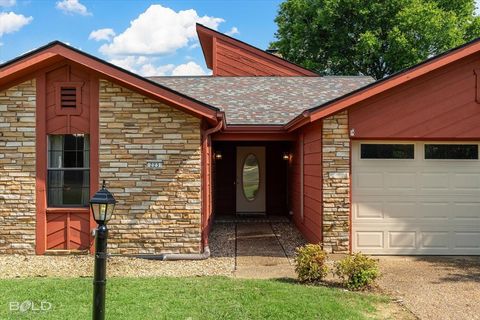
(17, 169)
(158, 210)
(336, 183)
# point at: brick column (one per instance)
(336, 183)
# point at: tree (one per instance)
(371, 37)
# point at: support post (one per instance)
(99, 280)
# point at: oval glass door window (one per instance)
(251, 177)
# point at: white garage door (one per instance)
(416, 198)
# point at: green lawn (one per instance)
(186, 298)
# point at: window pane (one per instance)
(70, 159)
(65, 186)
(68, 187)
(387, 151)
(451, 151)
(55, 152)
(251, 177)
(69, 151)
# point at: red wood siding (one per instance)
(64, 228)
(438, 105)
(311, 223)
(231, 60)
(227, 56)
(68, 230)
(65, 121)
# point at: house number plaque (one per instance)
(155, 164)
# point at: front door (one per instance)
(250, 180)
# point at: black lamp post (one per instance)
(102, 205)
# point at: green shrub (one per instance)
(357, 271)
(310, 263)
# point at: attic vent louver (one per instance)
(68, 97)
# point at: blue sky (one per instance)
(147, 37)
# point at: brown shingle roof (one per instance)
(263, 100)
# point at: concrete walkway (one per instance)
(259, 253)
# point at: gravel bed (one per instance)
(289, 237)
(222, 262)
(222, 241)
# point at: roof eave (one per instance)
(57, 50)
(380, 86)
(298, 122)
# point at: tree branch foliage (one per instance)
(371, 37)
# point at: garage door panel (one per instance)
(415, 206)
(399, 210)
(435, 240)
(369, 240)
(434, 212)
(401, 181)
(466, 212)
(466, 181)
(434, 181)
(402, 239)
(369, 181)
(467, 240)
(368, 210)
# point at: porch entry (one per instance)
(251, 181)
(250, 178)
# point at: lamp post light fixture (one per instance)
(102, 205)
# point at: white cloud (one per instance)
(232, 31)
(11, 22)
(158, 31)
(102, 34)
(7, 3)
(188, 69)
(72, 7)
(147, 67)
(194, 46)
(143, 66)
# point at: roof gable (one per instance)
(57, 51)
(227, 56)
(390, 82)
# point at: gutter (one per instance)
(205, 139)
(219, 126)
(298, 121)
(175, 256)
